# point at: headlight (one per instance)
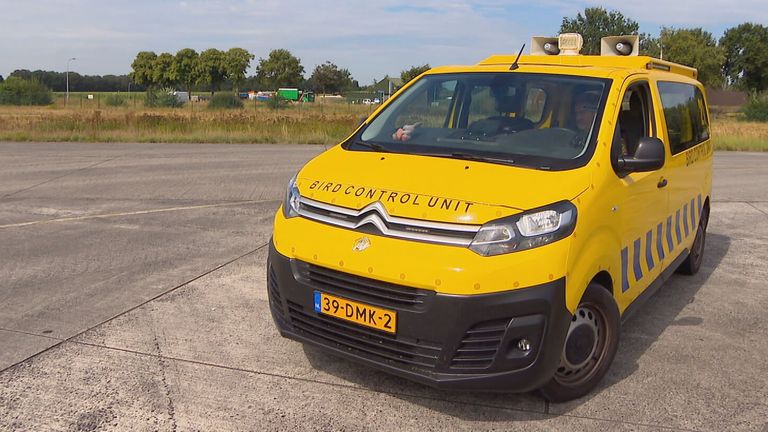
(292, 197)
(527, 230)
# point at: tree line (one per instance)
(213, 70)
(57, 81)
(739, 59)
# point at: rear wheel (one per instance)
(692, 263)
(590, 346)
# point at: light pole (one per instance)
(66, 103)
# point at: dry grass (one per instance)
(306, 123)
(733, 134)
(255, 124)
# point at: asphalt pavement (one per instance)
(133, 298)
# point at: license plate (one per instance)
(358, 313)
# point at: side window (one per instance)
(535, 101)
(498, 99)
(430, 106)
(635, 120)
(685, 115)
(483, 105)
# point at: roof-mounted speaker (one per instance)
(620, 45)
(542, 45)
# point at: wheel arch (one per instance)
(604, 279)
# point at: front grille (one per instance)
(415, 353)
(479, 346)
(275, 300)
(374, 219)
(363, 289)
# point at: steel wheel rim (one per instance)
(574, 373)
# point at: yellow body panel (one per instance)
(434, 188)
(615, 215)
(444, 269)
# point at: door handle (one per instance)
(662, 183)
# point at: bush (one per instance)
(18, 91)
(757, 108)
(276, 102)
(225, 101)
(114, 100)
(163, 98)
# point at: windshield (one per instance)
(539, 120)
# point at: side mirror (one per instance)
(649, 156)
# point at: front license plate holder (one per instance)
(356, 312)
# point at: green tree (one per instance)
(143, 68)
(236, 63)
(650, 46)
(280, 69)
(746, 56)
(19, 91)
(1, 79)
(184, 63)
(413, 72)
(597, 23)
(696, 48)
(210, 70)
(162, 71)
(328, 78)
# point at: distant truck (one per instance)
(296, 95)
(181, 96)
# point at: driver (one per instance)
(584, 110)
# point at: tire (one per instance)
(589, 349)
(692, 262)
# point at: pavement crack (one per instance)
(757, 208)
(545, 414)
(133, 308)
(166, 390)
(132, 213)
(75, 171)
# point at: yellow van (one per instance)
(489, 226)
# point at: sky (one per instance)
(370, 38)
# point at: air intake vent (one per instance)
(479, 346)
(418, 354)
(363, 289)
(275, 300)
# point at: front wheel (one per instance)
(692, 263)
(590, 346)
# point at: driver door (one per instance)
(642, 196)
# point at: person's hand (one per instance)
(406, 132)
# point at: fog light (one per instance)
(524, 345)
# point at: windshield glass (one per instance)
(539, 120)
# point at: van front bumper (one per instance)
(469, 342)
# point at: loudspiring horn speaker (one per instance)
(542, 45)
(620, 45)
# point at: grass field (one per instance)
(301, 123)
(733, 134)
(256, 123)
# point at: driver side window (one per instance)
(635, 119)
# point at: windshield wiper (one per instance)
(473, 157)
(370, 145)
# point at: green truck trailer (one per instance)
(296, 95)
